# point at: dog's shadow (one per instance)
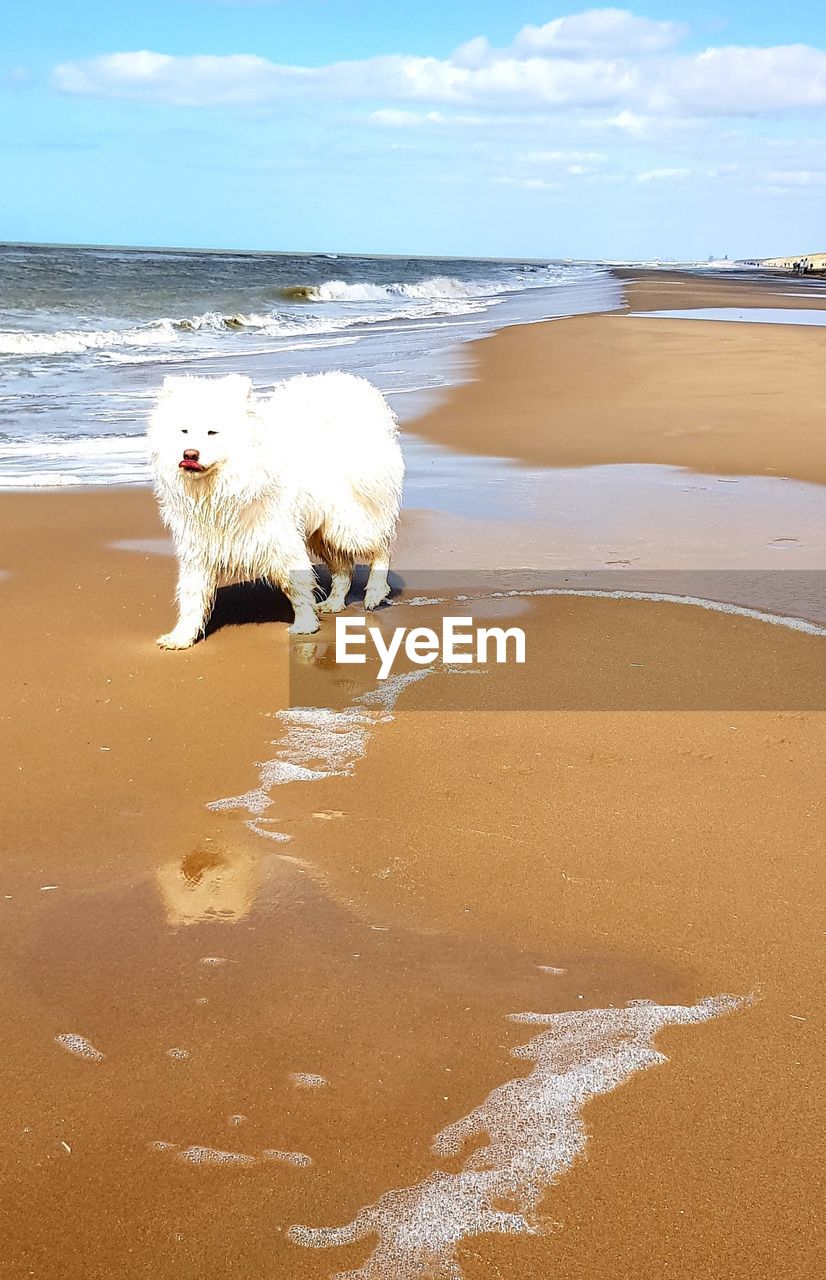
(256, 602)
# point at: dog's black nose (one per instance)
(191, 455)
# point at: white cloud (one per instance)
(244, 79)
(628, 122)
(609, 59)
(663, 175)
(565, 157)
(796, 178)
(749, 81)
(392, 118)
(528, 184)
(597, 33)
(199, 81)
(608, 31)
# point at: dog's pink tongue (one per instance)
(187, 465)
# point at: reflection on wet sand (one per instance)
(209, 883)
(210, 1104)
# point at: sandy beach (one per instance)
(623, 387)
(235, 1006)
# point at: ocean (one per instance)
(87, 335)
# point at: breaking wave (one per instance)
(180, 336)
(310, 310)
(76, 342)
(434, 289)
(84, 359)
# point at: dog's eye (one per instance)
(184, 431)
(212, 433)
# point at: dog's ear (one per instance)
(237, 386)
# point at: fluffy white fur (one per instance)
(315, 469)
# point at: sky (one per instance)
(524, 128)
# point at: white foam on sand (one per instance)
(306, 1080)
(209, 1155)
(534, 1131)
(665, 597)
(79, 1046)
(790, 622)
(296, 1158)
(318, 743)
(199, 1155)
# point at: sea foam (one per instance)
(533, 1131)
(201, 1155)
(436, 288)
(318, 743)
(79, 1046)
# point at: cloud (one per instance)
(528, 184)
(628, 122)
(198, 81)
(392, 118)
(246, 79)
(749, 81)
(595, 33)
(796, 178)
(607, 59)
(663, 175)
(565, 157)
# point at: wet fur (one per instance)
(313, 469)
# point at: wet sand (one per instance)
(717, 398)
(659, 290)
(420, 898)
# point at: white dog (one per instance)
(251, 488)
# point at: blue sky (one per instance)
(677, 129)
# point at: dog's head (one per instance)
(198, 425)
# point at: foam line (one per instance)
(296, 1158)
(200, 1155)
(319, 743)
(534, 1131)
(660, 597)
(664, 597)
(209, 1155)
(306, 1080)
(79, 1046)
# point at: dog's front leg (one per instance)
(196, 594)
(298, 582)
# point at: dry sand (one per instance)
(663, 854)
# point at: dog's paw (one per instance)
(176, 640)
(306, 624)
(375, 599)
(332, 604)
